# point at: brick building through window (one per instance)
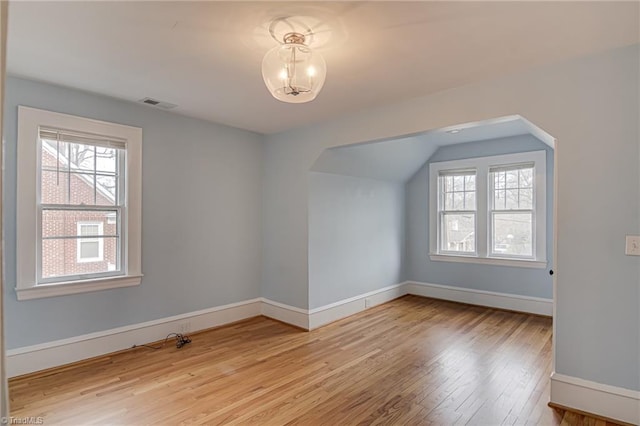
(64, 182)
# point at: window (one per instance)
(82, 183)
(90, 246)
(457, 211)
(512, 213)
(79, 210)
(489, 210)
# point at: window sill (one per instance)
(74, 287)
(517, 263)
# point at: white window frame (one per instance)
(442, 212)
(493, 211)
(483, 212)
(117, 207)
(98, 240)
(29, 122)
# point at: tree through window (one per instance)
(80, 205)
(457, 211)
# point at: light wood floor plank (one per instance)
(413, 361)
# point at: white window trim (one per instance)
(99, 240)
(29, 122)
(441, 212)
(482, 165)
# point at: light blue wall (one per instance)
(521, 281)
(590, 105)
(356, 236)
(201, 210)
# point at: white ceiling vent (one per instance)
(158, 104)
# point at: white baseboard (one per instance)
(608, 401)
(285, 313)
(532, 305)
(595, 398)
(29, 359)
(309, 319)
(347, 307)
(51, 354)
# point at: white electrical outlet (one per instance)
(633, 245)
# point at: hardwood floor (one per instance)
(411, 361)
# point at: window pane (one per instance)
(458, 182)
(470, 201)
(106, 193)
(526, 178)
(89, 230)
(513, 234)
(470, 183)
(512, 199)
(60, 257)
(458, 232)
(526, 198)
(458, 192)
(54, 187)
(448, 201)
(64, 223)
(518, 192)
(53, 155)
(93, 177)
(499, 199)
(89, 249)
(458, 201)
(499, 180)
(512, 179)
(448, 183)
(106, 159)
(53, 261)
(82, 189)
(81, 157)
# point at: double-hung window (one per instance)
(457, 211)
(512, 213)
(82, 183)
(489, 210)
(79, 209)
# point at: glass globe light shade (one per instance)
(293, 72)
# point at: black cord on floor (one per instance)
(181, 340)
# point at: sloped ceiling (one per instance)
(396, 160)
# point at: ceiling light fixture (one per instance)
(292, 71)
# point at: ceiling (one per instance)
(394, 160)
(397, 160)
(206, 56)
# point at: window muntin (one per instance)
(457, 211)
(512, 210)
(81, 186)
